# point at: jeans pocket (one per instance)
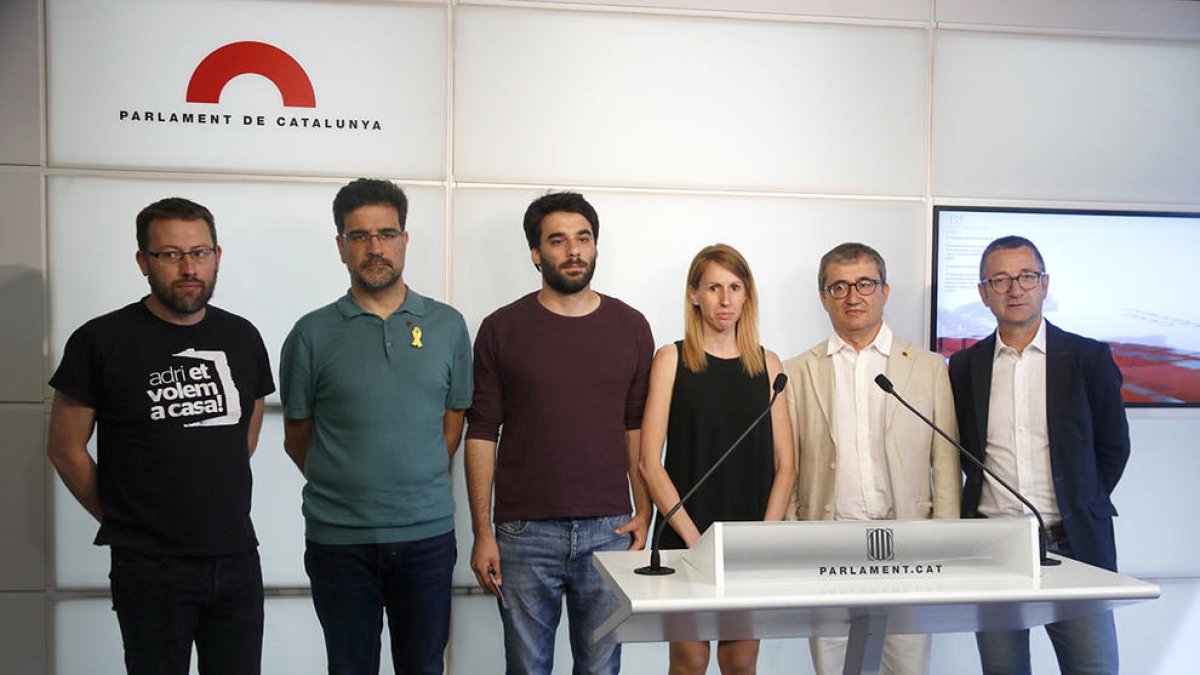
(613, 522)
(608, 539)
(513, 528)
(137, 578)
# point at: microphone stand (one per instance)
(885, 384)
(656, 568)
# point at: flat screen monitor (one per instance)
(1129, 278)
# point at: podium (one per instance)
(862, 579)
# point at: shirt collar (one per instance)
(414, 303)
(1038, 343)
(882, 342)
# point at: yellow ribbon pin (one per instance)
(416, 333)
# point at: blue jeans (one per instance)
(542, 560)
(353, 584)
(165, 603)
(1085, 645)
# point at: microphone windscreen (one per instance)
(884, 383)
(779, 383)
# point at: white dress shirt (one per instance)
(1018, 438)
(862, 489)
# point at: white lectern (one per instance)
(864, 579)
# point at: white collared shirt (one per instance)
(862, 489)
(1018, 437)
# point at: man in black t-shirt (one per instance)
(174, 389)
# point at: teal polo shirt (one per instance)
(377, 391)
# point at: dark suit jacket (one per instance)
(1089, 435)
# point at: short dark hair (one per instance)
(570, 202)
(368, 192)
(172, 207)
(1007, 243)
(849, 252)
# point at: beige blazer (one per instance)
(912, 448)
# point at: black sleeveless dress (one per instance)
(709, 410)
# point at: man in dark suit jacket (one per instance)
(1042, 407)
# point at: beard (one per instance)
(374, 277)
(558, 281)
(180, 301)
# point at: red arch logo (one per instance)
(260, 58)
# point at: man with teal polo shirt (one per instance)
(374, 387)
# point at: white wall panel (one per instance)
(1163, 462)
(22, 287)
(650, 100)
(96, 79)
(476, 636)
(278, 521)
(23, 499)
(23, 625)
(87, 639)
(77, 563)
(647, 241)
(20, 80)
(1110, 16)
(911, 10)
(293, 643)
(463, 576)
(1159, 637)
(1033, 117)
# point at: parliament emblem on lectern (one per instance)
(879, 544)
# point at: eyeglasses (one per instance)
(841, 289)
(1001, 283)
(198, 256)
(360, 237)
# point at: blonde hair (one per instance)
(694, 357)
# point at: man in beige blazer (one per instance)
(859, 456)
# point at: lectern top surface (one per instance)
(687, 589)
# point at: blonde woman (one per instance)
(704, 391)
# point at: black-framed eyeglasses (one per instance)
(360, 237)
(198, 256)
(1001, 283)
(841, 289)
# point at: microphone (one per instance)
(886, 385)
(656, 568)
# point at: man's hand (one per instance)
(638, 527)
(485, 563)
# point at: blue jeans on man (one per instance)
(543, 560)
(1085, 645)
(352, 584)
(165, 603)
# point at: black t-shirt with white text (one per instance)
(173, 406)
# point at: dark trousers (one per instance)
(165, 603)
(352, 585)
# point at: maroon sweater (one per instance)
(564, 390)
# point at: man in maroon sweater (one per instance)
(564, 372)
